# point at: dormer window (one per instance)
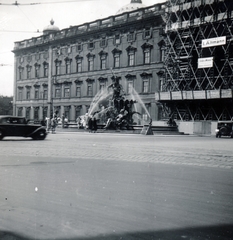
(79, 47)
(117, 39)
(147, 33)
(91, 45)
(103, 42)
(131, 37)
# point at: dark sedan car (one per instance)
(224, 128)
(20, 127)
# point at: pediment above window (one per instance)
(130, 76)
(115, 78)
(90, 80)
(78, 81)
(131, 49)
(78, 57)
(27, 86)
(102, 79)
(103, 53)
(116, 51)
(147, 45)
(45, 85)
(36, 85)
(20, 87)
(90, 55)
(146, 75)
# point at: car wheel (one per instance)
(40, 135)
(1, 134)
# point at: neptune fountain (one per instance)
(113, 109)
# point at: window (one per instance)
(147, 33)
(68, 65)
(20, 73)
(78, 63)
(91, 45)
(89, 90)
(102, 87)
(37, 70)
(131, 55)
(45, 94)
(28, 72)
(103, 42)
(145, 86)
(146, 47)
(20, 94)
(28, 112)
(36, 113)
(78, 91)
(90, 64)
(116, 61)
(57, 67)
(67, 92)
(131, 58)
(103, 63)
(28, 94)
(130, 37)
(57, 93)
(147, 56)
(130, 86)
(46, 65)
(79, 47)
(79, 66)
(20, 112)
(36, 93)
(117, 40)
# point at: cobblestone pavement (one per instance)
(185, 150)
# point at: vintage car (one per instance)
(224, 128)
(20, 127)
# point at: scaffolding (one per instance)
(198, 59)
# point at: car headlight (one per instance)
(217, 130)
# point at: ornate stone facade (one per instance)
(63, 70)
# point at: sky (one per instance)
(27, 20)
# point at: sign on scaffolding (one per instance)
(205, 62)
(212, 42)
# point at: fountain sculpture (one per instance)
(113, 110)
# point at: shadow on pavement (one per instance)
(222, 232)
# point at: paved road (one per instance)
(103, 186)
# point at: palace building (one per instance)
(62, 70)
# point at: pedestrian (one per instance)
(53, 124)
(94, 124)
(90, 124)
(48, 123)
(63, 120)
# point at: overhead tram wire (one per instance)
(38, 3)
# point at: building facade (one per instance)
(63, 70)
(197, 80)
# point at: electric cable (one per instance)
(31, 4)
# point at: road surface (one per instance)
(113, 186)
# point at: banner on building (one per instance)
(205, 62)
(212, 42)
